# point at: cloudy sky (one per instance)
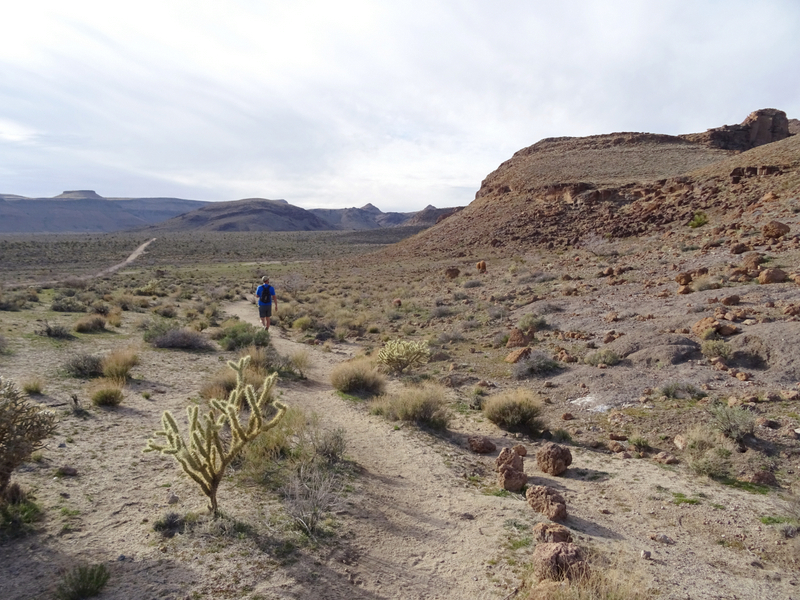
(338, 103)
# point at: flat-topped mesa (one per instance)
(760, 127)
(79, 195)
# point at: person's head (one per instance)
(265, 279)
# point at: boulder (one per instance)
(517, 355)
(520, 449)
(547, 501)
(509, 457)
(559, 561)
(704, 325)
(511, 479)
(739, 248)
(480, 444)
(772, 276)
(553, 459)
(551, 533)
(774, 230)
(683, 278)
(731, 300)
(516, 339)
(751, 260)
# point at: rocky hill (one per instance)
(566, 191)
(366, 217)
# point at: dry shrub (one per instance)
(84, 366)
(714, 348)
(516, 409)
(537, 364)
(224, 382)
(423, 405)
(599, 584)
(733, 422)
(264, 359)
(300, 361)
(182, 339)
(118, 364)
(114, 317)
(84, 581)
(33, 386)
(108, 394)
(310, 494)
(288, 440)
(602, 357)
(358, 376)
(708, 452)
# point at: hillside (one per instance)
(563, 191)
(85, 211)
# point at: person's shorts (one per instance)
(264, 310)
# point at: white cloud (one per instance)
(343, 103)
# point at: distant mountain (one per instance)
(84, 211)
(366, 217)
(251, 214)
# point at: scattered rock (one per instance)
(732, 300)
(172, 499)
(774, 230)
(704, 325)
(683, 279)
(547, 501)
(616, 447)
(680, 442)
(645, 555)
(739, 248)
(551, 533)
(520, 450)
(567, 417)
(662, 539)
(553, 459)
(517, 355)
(517, 339)
(772, 276)
(509, 457)
(559, 561)
(665, 458)
(480, 444)
(511, 479)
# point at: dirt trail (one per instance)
(134, 255)
(415, 530)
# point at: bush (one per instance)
(118, 364)
(602, 357)
(309, 495)
(84, 366)
(331, 444)
(675, 391)
(83, 582)
(714, 348)
(472, 283)
(170, 524)
(91, 324)
(399, 355)
(734, 423)
(303, 323)
(708, 452)
(537, 364)
(54, 331)
(23, 427)
(425, 405)
(240, 335)
(531, 323)
(183, 339)
(67, 304)
(17, 513)
(358, 376)
(107, 396)
(33, 386)
(516, 409)
(698, 220)
(265, 359)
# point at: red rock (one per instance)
(547, 501)
(559, 561)
(511, 479)
(665, 458)
(772, 276)
(775, 230)
(480, 444)
(704, 325)
(732, 300)
(517, 355)
(520, 449)
(567, 417)
(509, 457)
(551, 533)
(553, 459)
(516, 339)
(683, 278)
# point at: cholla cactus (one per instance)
(23, 427)
(398, 355)
(208, 454)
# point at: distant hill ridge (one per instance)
(85, 211)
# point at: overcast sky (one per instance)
(336, 103)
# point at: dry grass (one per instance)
(90, 324)
(424, 405)
(358, 376)
(516, 409)
(118, 364)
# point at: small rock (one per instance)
(553, 459)
(567, 417)
(480, 444)
(645, 555)
(662, 539)
(172, 499)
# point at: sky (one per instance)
(332, 104)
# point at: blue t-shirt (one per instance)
(270, 294)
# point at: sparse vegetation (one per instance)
(423, 405)
(733, 422)
(84, 366)
(108, 396)
(358, 376)
(698, 220)
(516, 409)
(538, 364)
(118, 364)
(84, 581)
(716, 348)
(90, 324)
(241, 335)
(602, 357)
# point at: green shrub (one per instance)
(84, 366)
(399, 355)
(84, 581)
(537, 364)
(241, 335)
(23, 427)
(676, 391)
(531, 323)
(714, 348)
(67, 304)
(698, 220)
(17, 515)
(303, 323)
(424, 405)
(358, 376)
(107, 396)
(602, 357)
(91, 324)
(734, 423)
(515, 409)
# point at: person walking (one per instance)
(266, 298)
